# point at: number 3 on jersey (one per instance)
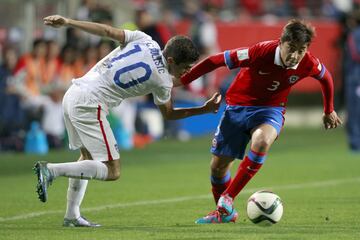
(275, 85)
(131, 67)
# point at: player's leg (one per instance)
(97, 137)
(220, 180)
(353, 111)
(265, 125)
(43, 174)
(77, 187)
(229, 143)
(87, 127)
(75, 194)
(86, 169)
(220, 174)
(262, 138)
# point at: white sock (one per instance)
(86, 169)
(75, 195)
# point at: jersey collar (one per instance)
(277, 60)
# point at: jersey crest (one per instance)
(293, 78)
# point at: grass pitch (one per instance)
(165, 187)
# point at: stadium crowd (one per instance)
(32, 84)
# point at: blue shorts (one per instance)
(233, 132)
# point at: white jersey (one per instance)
(137, 69)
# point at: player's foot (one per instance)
(217, 217)
(79, 222)
(45, 179)
(225, 204)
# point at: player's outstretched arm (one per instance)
(330, 117)
(170, 113)
(206, 65)
(90, 27)
(331, 120)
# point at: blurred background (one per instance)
(39, 62)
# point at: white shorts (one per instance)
(87, 125)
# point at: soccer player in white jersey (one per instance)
(138, 67)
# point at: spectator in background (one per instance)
(203, 32)
(105, 47)
(52, 119)
(29, 79)
(12, 116)
(278, 8)
(90, 10)
(254, 7)
(85, 9)
(89, 58)
(145, 23)
(352, 84)
(31, 69)
(53, 63)
(69, 67)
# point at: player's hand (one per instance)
(213, 104)
(331, 120)
(56, 21)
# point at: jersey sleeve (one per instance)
(162, 95)
(326, 81)
(131, 36)
(244, 57)
(318, 69)
(237, 58)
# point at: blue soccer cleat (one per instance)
(45, 179)
(225, 205)
(79, 222)
(217, 217)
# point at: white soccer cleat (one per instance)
(79, 222)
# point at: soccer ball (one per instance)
(264, 208)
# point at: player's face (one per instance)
(292, 53)
(179, 69)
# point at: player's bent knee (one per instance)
(113, 176)
(113, 170)
(262, 144)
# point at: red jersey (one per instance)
(263, 80)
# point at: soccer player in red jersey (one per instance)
(255, 108)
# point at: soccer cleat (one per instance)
(79, 222)
(45, 179)
(225, 205)
(217, 217)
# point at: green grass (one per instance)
(312, 171)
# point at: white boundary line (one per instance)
(186, 198)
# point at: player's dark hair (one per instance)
(181, 49)
(298, 31)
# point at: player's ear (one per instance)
(170, 60)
